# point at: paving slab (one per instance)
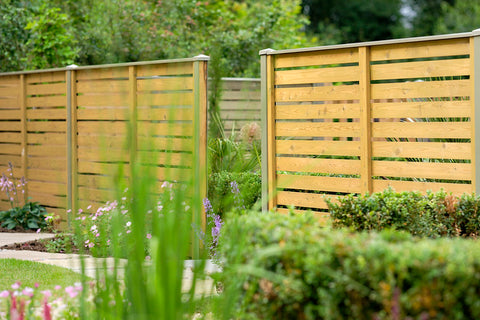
(7, 238)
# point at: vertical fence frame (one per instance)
(475, 74)
(365, 120)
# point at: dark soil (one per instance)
(41, 244)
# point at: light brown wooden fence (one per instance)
(240, 103)
(66, 130)
(362, 117)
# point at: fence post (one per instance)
(23, 114)
(132, 103)
(71, 142)
(200, 79)
(475, 105)
(365, 120)
(268, 132)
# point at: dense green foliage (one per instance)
(223, 194)
(431, 215)
(129, 30)
(294, 269)
(31, 216)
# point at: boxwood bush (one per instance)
(288, 267)
(432, 215)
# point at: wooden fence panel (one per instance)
(239, 104)
(68, 130)
(364, 117)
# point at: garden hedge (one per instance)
(288, 267)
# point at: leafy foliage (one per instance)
(291, 268)
(13, 37)
(51, 43)
(432, 215)
(31, 216)
(224, 197)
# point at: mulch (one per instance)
(34, 245)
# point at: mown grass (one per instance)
(28, 273)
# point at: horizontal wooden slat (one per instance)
(47, 126)
(422, 129)
(438, 48)
(15, 160)
(240, 115)
(93, 194)
(9, 80)
(162, 158)
(319, 75)
(302, 147)
(47, 138)
(47, 151)
(106, 113)
(241, 95)
(317, 129)
(47, 175)
(103, 127)
(48, 200)
(400, 186)
(318, 111)
(170, 69)
(103, 86)
(165, 114)
(103, 100)
(315, 165)
(10, 137)
(239, 105)
(49, 101)
(104, 73)
(57, 164)
(101, 168)
(9, 103)
(47, 187)
(47, 114)
(235, 84)
(10, 115)
(328, 184)
(161, 84)
(429, 170)
(14, 149)
(94, 181)
(165, 99)
(302, 199)
(10, 91)
(10, 126)
(432, 109)
(45, 77)
(326, 93)
(323, 217)
(174, 144)
(103, 155)
(165, 129)
(421, 69)
(426, 89)
(433, 150)
(43, 89)
(316, 58)
(109, 142)
(235, 124)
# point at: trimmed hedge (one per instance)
(288, 267)
(431, 215)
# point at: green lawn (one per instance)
(29, 273)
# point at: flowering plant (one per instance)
(30, 215)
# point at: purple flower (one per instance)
(207, 205)
(234, 187)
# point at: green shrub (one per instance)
(430, 215)
(31, 216)
(291, 268)
(224, 196)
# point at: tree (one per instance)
(13, 36)
(462, 16)
(335, 21)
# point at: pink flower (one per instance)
(4, 294)
(97, 235)
(57, 287)
(149, 236)
(28, 292)
(128, 224)
(16, 285)
(38, 230)
(71, 291)
(91, 245)
(46, 293)
(148, 258)
(128, 231)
